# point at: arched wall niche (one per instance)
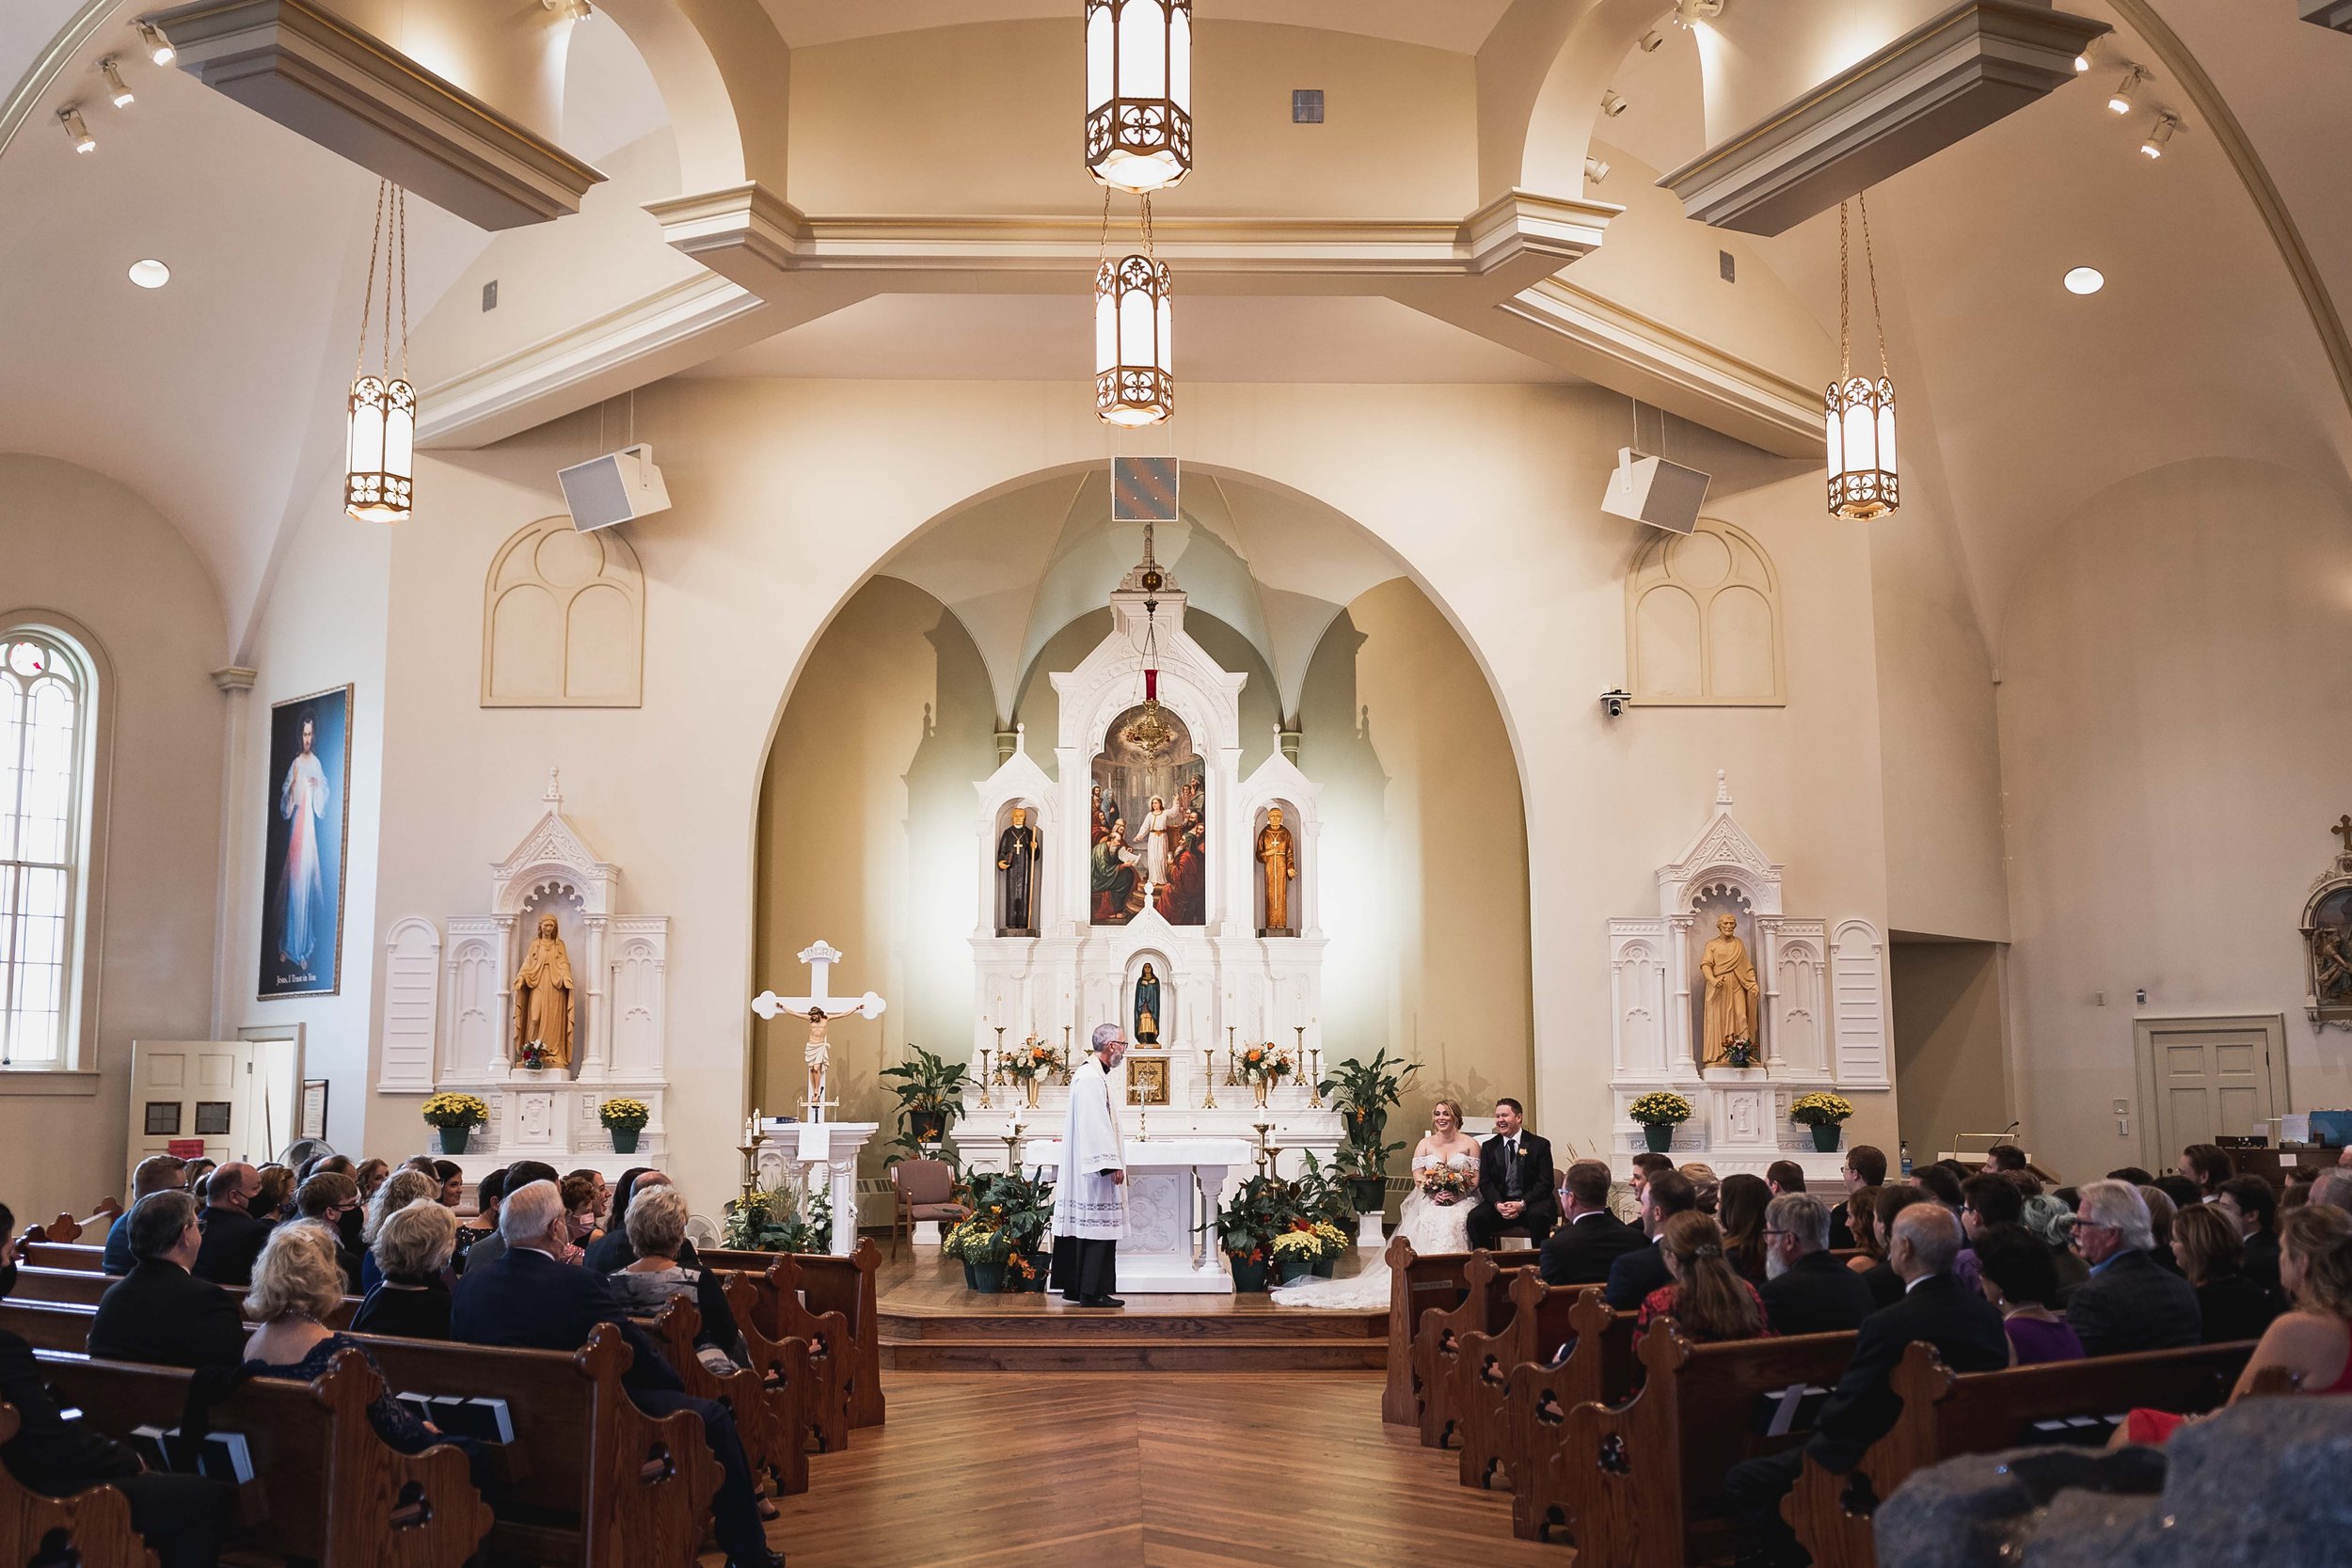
(1703, 621)
(564, 620)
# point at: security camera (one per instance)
(1613, 702)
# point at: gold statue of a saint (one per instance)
(1277, 852)
(1731, 992)
(543, 997)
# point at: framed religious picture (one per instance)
(306, 803)
(1147, 1079)
(312, 1121)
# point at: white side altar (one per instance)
(1172, 1186)
(818, 1152)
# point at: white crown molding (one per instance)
(315, 73)
(1942, 81)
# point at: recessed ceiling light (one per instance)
(2085, 281)
(1612, 104)
(150, 273)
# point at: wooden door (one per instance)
(187, 1096)
(2209, 1077)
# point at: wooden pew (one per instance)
(766, 1305)
(1641, 1479)
(1598, 1368)
(768, 1417)
(78, 1287)
(795, 1387)
(48, 1325)
(1484, 1309)
(64, 1255)
(604, 1484)
(1416, 1285)
(1545, 1322)
(65, 1227)
(829, 1283)
(330, 1491)
(91, 1528)
(1946, 1412)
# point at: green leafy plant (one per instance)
(1260, 1210)
(1364, 1093)
(1320, 1195)
(791, 1216)
(931, 1099)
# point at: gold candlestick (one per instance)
(1261, 1128)
(1208, 1079)
(1314, 1078)
(1232, 1079)
(984, 1101)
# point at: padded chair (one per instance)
(925, 1189)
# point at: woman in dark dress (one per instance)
(2206, 1243)
(2016, 1274)
(297, 1281)
(412, 1252)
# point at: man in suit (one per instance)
(524, 1297)
(1590, 1237)
(1965, 1330)
(2247, 1202)
(1516, 1182)
(182, 1517)
(157, 1173)
(1637, 1272)
(493, 1247)
(1805, 1289)
(159, 1311)
(1866, 1167)
(232, 1237)
(2129, 1302)
(1785, 1175)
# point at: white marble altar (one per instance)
(818, 1152)
(1172, 1188)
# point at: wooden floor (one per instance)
(929, 1321)
(1172, 1470)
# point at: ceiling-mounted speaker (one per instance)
(2329, 14)
(1654, 491)
(614, 488)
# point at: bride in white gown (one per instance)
(1430, 1225)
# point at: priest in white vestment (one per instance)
(1090, 1197)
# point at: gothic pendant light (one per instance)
(1147, 732)
(1138, 123)
(1135, 380)
(380, 466)
(1859, 413)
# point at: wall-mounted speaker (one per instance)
(1654, 491)
(613, 488)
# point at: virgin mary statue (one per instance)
(543, 997)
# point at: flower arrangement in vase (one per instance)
(456, 1115)
(1262, 1067)
(1660, 1112)
(625, 1118)
(1740, 1052)
(534, 1056)
(1032, 1061)
(1826, 1114)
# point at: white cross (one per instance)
(821, 957)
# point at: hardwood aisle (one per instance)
(1167, 1470)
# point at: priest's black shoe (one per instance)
(1101, 1301)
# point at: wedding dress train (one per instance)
(1430, 1226)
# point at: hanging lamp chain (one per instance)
(1845, 309)
(1103, 247)
(1870, 263)
(1148, 249)
(400, 205)
(367, 300)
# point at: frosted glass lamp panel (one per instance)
(1861, 437)
(1179, 59)
(1101, 78)
(1887, 427)
(1106, 321)
(364, 451)
(1137, 321)
(1143, 50)
(1833, 429)
(1164, 337)
(399, 432)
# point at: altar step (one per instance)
(983, 1339)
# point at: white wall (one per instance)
(2176, 730)
(86, 548)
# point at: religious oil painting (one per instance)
(2331, 940)
(307, 800)
(1150, 823)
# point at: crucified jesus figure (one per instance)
(819, 1007)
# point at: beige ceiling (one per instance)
(1460, 25)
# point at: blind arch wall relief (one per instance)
(564, 620)
(1702, 615)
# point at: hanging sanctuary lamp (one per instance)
(1859, 413)
(1139, 138)
(1147, 732)
(379, 464)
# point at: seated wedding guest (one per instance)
(181, 1518)
(2208, 1166)
(232, 1237)
(1861, 1231)
(1706, 1298)
(523, 1297)
(518, 1174)
(1885, 1282)
(2132, 1174)
(1707, 1188)
(200, 1172)
(2332, 1189)
(411, 1297)
(2160, 1212)
(2128, 1304)
(2017, 1274)
(452, 1188)
(604, 1199)
(1940, 1183)
(274, 1203)
(657, 1231)
(2178, 1191)
(1805, 1289)
(370, 1174)
(159, 1311)
(1740, 1205)
(2232, 1304)
(157, 1173)
(2051, 1218)
(1635, 1275)
(402, 1188)
(2002, 1157)
(611, 1250)
(488, 1194)
(1866, 1167)
(1517, 1192)
(1646, 1164)
(2313, 1340)
(1985, 1200)
(326, 1198)
(580, 1214)
(1590, 1237)
(2247, 1202)
(1961, 1325)
(297, 1283)
(2026, 1183)
(1784, 1176)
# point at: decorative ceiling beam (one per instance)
(314, 72)
(1941, 82)
(2329, 14)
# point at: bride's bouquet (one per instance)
(1446, 1186)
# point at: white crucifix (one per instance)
(818, 1007)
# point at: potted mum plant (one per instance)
(1323, 1202)
(625, 1118)
(1260, 1210)
(1020, 1210)
(1364, 1093)
(456, 1115)
(1660, 1112)
(791, 1217)
(1826, 1114)
(1295, 1252)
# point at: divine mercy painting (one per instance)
(1150, 823)
(307, 801)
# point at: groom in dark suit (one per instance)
(1518, 1191)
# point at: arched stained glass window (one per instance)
(46, 699)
